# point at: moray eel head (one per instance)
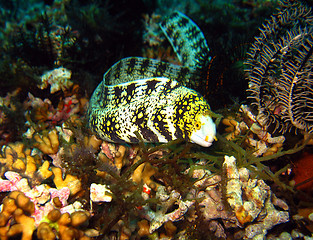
(204, 131)
(196, 120)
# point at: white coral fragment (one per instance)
(160, 216)
(233, 186)
(58, 79)
(100, 193)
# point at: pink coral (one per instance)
(42, 196)
(44, 111)
(67, 108)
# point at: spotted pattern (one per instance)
(133, 68)
(159, 109)
(151, 97)
(186, 39)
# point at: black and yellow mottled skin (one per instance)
(159, 109)
(154, 98)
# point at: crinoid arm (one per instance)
(279, 69)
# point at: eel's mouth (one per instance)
(202, 141)
(204, 136)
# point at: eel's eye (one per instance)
(198, 125)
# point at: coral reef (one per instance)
(136, 191)
(36, 207)
(58, 181)
(43, 112)
(252, 204)
(258, 203)
(18, 206)
(47, 144)
(167, 201)
(16, 157)
(256, 131)
(20, 215)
